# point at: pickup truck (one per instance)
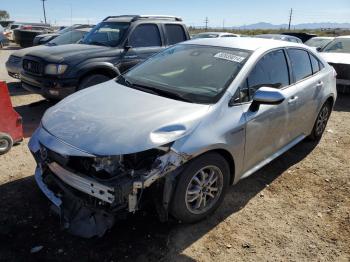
(110, 48)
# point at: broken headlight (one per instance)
(110, 164)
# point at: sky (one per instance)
(219, 12)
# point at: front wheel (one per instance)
(200, 188)
(321, 122)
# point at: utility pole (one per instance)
(206, 21)
(290, 18)
(44, 9)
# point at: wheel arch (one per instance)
(100, 70)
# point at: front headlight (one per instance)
(55, 69)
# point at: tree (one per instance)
(4, 15)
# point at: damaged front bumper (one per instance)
(86, 206)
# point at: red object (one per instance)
(10, 120)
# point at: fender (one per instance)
(95, 66)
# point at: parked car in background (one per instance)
(3, 40)
(318, 42)
(113, 46)
(25, 34)
(337, 54)
(214, 35)
(185, 124)
(301, 35)
(14, 63)
(9, 30)
(44, 38)
(287, 38)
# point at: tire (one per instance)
(92, 80)
(188, 194)
(321, 122)
(1, 45)
(6, 143)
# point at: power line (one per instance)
(44, 9)
(206, 21)
(290, 18)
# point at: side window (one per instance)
(228, 36)
(315, 64)
(175, 33)
(271, 71)
(145, 35)
(300, 63)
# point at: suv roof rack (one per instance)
(138, 17)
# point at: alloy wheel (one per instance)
(322, 120)
(204, 189)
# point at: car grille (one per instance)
(15, 59)
(32, 66)
(343, 71)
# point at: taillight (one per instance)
(27, 27)
(334, 73)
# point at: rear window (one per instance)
(315, 64)
(175, 34)
(300, 63)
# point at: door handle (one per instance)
(292, 99)
(319, 84)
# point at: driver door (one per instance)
(267, 128)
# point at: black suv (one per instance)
(113, 46)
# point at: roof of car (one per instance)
(247, 43)
(343, 36)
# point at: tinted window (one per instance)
(271, 71)
(145, 35)
(300, 63)
(175, 34)
(228, 36)
(315, 64)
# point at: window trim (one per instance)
(297, 82)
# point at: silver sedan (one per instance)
(184, 125)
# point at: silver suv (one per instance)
(183, 126)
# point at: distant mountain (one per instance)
(263, 25)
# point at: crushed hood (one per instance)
(74, 53)
(336, 58)
(111, 119)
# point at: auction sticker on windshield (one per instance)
(229, 57)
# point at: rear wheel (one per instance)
(6, 143)
(92, 80)
(321, 122)
(201, 188)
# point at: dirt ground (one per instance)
(297, 208)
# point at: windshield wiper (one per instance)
(149, 89)
(98, 43)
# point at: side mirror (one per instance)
(318, 49)
(266, 96)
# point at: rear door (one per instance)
(309, 83)
(144, 41)
(266, 129)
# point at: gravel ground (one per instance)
(297, 208)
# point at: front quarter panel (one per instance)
(222, 129)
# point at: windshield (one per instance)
(193, 73)
(205, 36)
(70, 37)
(318, 42)
(340, 45)
(106, 33)
(66, 29)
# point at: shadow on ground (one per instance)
(25, 222)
